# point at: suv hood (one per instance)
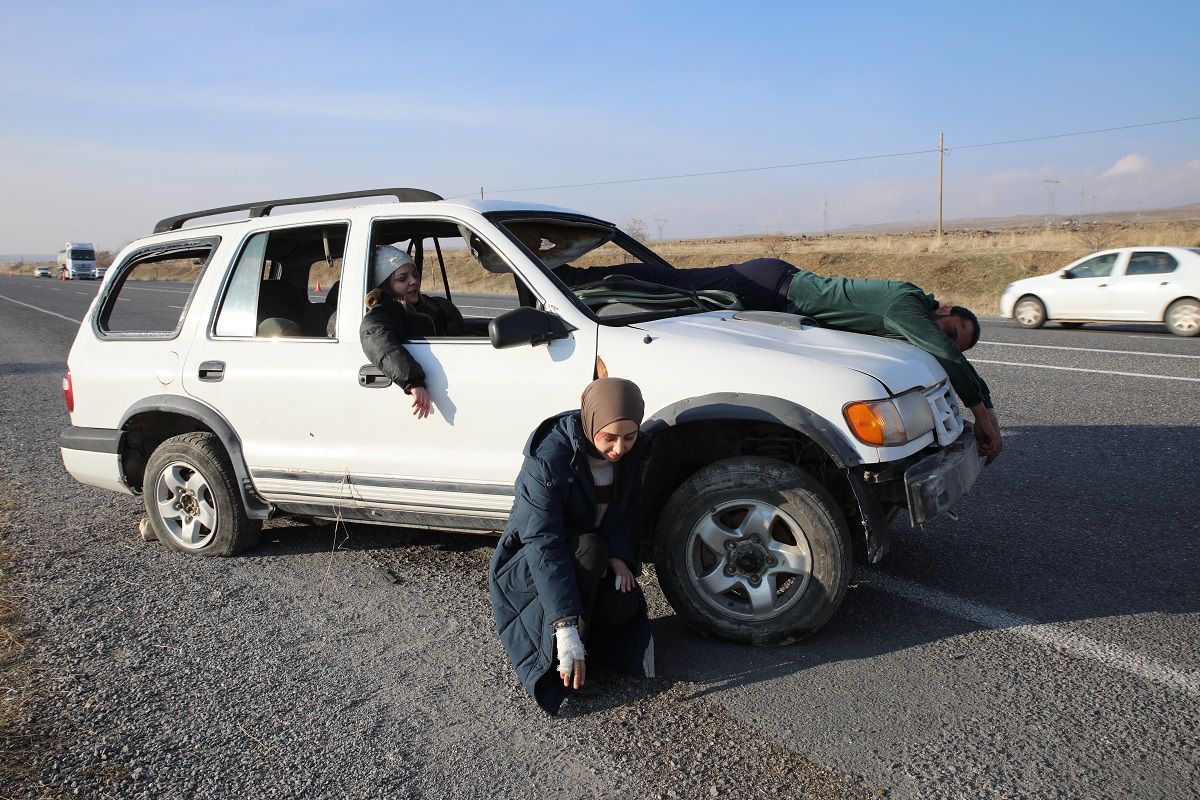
(898, 365)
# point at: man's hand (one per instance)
(987, 432)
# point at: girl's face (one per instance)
(406, 284)
(614, 440)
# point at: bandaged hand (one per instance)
(571, 654)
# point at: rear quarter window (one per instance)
(153, 289)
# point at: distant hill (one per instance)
(26, 257)
(1189, 211)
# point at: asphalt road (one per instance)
(1045, 645)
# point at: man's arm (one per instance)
(910, 319)
(987, 432)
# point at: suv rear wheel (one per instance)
(192, 499)
(753, 550)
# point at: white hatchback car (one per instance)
(1127, 284)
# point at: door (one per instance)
(1147, 285)
(1086, 291)
(267, 366)
(461, 461)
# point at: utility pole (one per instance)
(825, 218)
(941, 154)
(1051, 188)
(660, 222)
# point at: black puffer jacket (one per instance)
(390, 324)
(532, 574)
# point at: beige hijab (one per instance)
(607, 400)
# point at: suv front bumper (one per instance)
(936, 482)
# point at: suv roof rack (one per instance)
(263, 208)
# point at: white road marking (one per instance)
(44, 311)
(1055, 635)
(147, 289)
(1081, 369)
(1088, 350)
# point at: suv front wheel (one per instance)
(753, 550)
(192, 499)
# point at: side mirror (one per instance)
(1065, 275)
(526, 325)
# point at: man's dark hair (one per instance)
(969, 316)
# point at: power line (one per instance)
(831, 160)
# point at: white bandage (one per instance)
(618, 582)
(570, 649)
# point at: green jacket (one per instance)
(896, 309)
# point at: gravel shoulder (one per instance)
(329, 662)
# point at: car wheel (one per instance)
(192, 499)
(1183, 317)
(753, 550)
(1071, 325)
(1029, 312)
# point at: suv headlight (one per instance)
(884, 423)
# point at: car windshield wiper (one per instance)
(623, 288)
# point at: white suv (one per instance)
(779, 447)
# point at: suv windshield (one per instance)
(610, 273)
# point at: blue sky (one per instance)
(118, 114)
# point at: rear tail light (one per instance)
(69, 392)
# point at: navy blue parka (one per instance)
(532, 575)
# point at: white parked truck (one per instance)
(77, 261)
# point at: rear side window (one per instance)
(285, 284)
(1151, 264)
(149, 296)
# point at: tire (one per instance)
(1071, 326)
(192, 500)
(1029, 312)
(1183, 317)
(753, 550)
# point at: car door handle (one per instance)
(370, 377)
(1101, 286)
(211, 371)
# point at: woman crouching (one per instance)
(562, 576)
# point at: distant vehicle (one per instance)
(77, 261)
(100, 271)
(42, 272)
(1126, 284)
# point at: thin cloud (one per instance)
(1134, 162)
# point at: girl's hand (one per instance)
(421, 402)
(624, 581)
(572, 663)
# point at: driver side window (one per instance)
(1098, 267)
(459, 274)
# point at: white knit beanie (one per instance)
(388, 259)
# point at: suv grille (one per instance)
(947, 419)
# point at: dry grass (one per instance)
(968, 268)
(965, 267)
